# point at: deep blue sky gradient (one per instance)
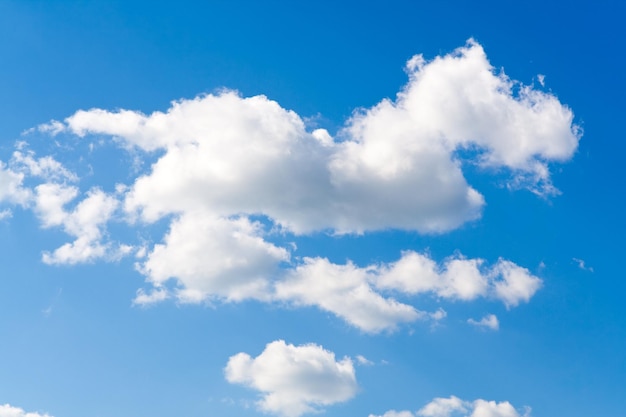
(94, 355)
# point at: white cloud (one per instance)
(11, 186)
(490, 321)
(212, 257)
(396, 166)
(7, 410)
(443, 407)
(394, 413)
(44, 167)
(582, 265)
(542, 79)
(294, 380)
(222, 159)
(85, 222)
(344, 290)
(459, 278)
(362, 360)
(483, 408)
(455, 407)
(5, 214)
(215, 259)
(516, 284)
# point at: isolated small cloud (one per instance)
(294, 380)
(6, 214)
(362, 360)
(582, 265)
(490, 322)
(8, 410)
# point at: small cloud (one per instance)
(440, 314)
(542, 79)
(581, 265)
(294, 380)
(490, 322)
(144, 298)
(53, 128)
(6, 214)
(48, 310)
(362, 360)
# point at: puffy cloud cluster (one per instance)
(394, 167)
(7, 410)
(356, 293)
(362, 296)
(455, 407)
(294, 380)
(222, 161)
(85, 222)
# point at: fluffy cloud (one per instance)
(85, 222)
(213, 257)
(222, 160)
(51, 187)
(458, 278)
(11, 186)
(294, 380)
(44, 167)
(490, 321)
(7, 410)
(210, 258)
(344, 290)
(394, 167)
(455, 407)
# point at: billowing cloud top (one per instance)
(294, 380)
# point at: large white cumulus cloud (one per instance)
(395, 166)
(294, 380)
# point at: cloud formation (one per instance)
(394, 165)
(455, 407)
(490, 321)
(357, 294)
(294, 380)
(228, 171)
(8, 410)
(361, 296)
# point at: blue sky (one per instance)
(240, 209)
